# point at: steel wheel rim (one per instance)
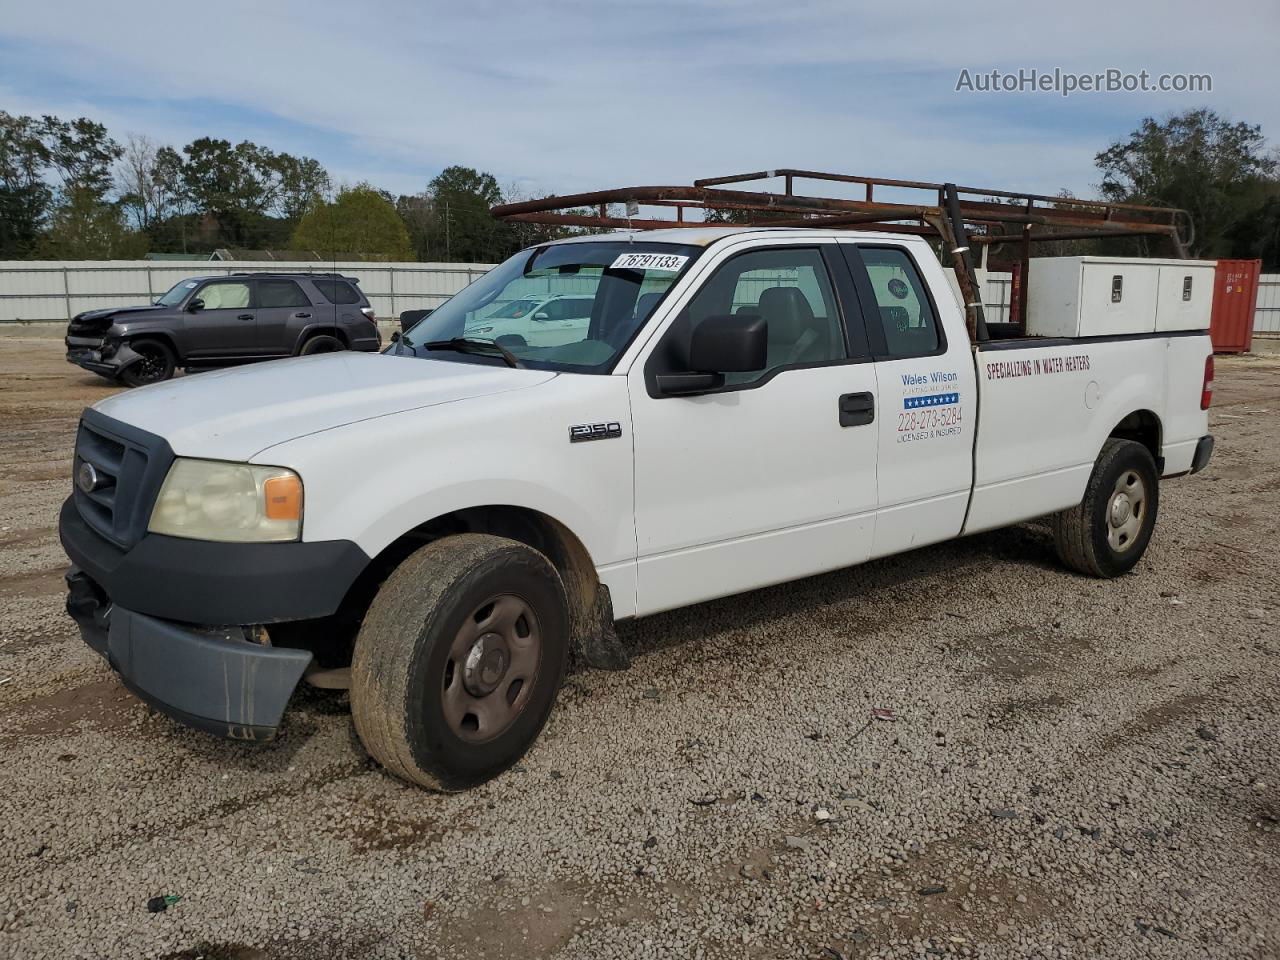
(1126, 511)
(492, 668)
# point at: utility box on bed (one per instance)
(1110, 296)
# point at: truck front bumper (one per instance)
(95, 355)
(178, 619)
(211, 678)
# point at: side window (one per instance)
(281, 293)
(337, 291)
(906, 315)
(791, 289)
(225, 295)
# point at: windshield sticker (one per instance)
(665, 262)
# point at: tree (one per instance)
(85, 227)
(149, 190)
(298, 183)
(359, 221)
(228, 183)
(462, 228)
(81, 153)
(1198, 161)
(24, 194)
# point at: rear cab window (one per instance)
(888, 278)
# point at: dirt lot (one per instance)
(1076, 768)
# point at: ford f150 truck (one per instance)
(456, 515)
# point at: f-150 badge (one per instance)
(595, 431)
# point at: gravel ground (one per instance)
(1074, 768)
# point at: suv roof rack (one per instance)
(292, 273)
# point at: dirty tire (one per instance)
(403, 652)
(1081, 532)
(321, 343)
(157, 364)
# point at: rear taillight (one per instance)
(368, 312)
(1206, 391)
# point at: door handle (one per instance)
(857, 409)
(245, 316)
(303, 316)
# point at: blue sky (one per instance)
(565, 95)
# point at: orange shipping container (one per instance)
(1235, 293)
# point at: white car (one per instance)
(540, 322)
(452, 517)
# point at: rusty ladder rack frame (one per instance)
(951, 216)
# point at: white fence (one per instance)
(55, 290)
(49, 290)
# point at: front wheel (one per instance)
(459, 660)
(155, 363)
(1107, 533)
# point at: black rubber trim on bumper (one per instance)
(208, 678)
(104, 368)
(1204, 451)
(196, 581)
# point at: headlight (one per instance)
(230, 502)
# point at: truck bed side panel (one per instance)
(1044, 414)
(1184, 422)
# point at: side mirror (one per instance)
(542, 315)
(409, 317)
(194, 305)
(720, 344)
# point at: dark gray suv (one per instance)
(216, 321)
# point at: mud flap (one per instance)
(598, 645)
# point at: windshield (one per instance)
(177, 293)
(568, 306)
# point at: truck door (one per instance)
(772, 476)
(927, 393)
(223, 326)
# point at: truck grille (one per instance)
(116, 475)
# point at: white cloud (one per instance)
(569, 94)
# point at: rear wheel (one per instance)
(322, 343)
(459, 660)
(1107, 533)
(155, 363)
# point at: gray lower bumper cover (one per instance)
(208, 678)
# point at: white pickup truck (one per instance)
(453, 518)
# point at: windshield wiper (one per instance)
(480, 347)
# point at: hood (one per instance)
(101, 319)
(234, 414)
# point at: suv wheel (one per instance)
(155, 363)
(322, 343)
(459, 660)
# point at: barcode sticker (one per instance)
(666, 262)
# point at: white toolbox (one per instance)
(1107, 296)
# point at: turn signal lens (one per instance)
(283, 498)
